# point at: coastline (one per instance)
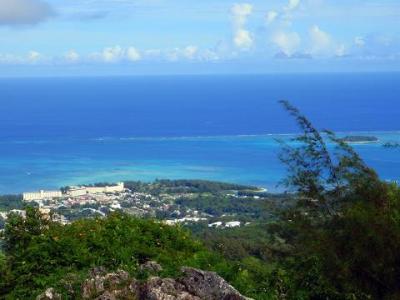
(244, 159)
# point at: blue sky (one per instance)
(68, 37)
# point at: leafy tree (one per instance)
(8, 202)
(345, 231)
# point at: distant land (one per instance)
(202, 202)
(391, 145)
(360, 139)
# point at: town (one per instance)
(215, 205)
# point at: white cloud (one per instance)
(133, 54)
(359, 41)
(293, 4)
(280, 33)
(173, 55)
(242, 38)
(341, 50)
(190, 51)
(321, 42)
(71, 56)
(209, 55)
(116, 54)
(279, 24)
(240, 12)
(112, 54)
(271, 16)
(287, 42)
(6, 58)
(34, 56)
(377, 45)
(24, 12)
(152, 53)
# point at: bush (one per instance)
(40, 253)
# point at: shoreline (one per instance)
(255, 189)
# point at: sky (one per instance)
(107, 37)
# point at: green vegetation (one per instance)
(184, 186)
(339, 239)
(247, 209)
(40, 253)
(9, 202)
(344, 232)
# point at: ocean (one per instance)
(63, 131)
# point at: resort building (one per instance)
(41, 195)
(74, 192)
(84, 190)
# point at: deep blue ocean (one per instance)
(61, 131)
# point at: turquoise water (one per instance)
(241, 159)
(56, 132)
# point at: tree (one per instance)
(345, 230)
(324, 175)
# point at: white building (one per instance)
(83, 190)
(41, 195)
(232, 224)
(215, 224)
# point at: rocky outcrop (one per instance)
(108, 285)
(208, 285)
(193, 284)
(151, 267)
(49, 294)
(165, 289)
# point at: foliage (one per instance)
(339, 239)
(40, 253)
(217, 205)
(240, 242)
(9, 202)
(345, 231)
(320, 175)
(184, 186)
(246, 208)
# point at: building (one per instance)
(74, 192)
(84, 190)
(41, 195)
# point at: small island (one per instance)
(360, 139)
(391, 145)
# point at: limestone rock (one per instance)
(49, 294)
(165, 289)
(100, 284)
(92, 287)
(114, 280)
(151, 267)
(208, 285)
(194, 284)
(106, 296)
